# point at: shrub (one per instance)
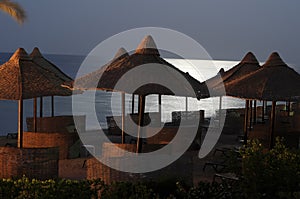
(127, 190)
(211, 190)
(270, 174)
(32, 188)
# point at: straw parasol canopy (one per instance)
(148, 55)
(218, 83)
(275, 81)
(40, 60)
(21, 78)
(246, 66)
(87, 81)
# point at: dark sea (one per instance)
(106, 102)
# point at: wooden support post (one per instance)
(159, 109)
(123, 117)
(251, 118)
(41, 106)
(35, 114)
(141, 123)
(254, 113)
(52, 106)
(263, 111)
(132, 104)
(272, 125)
(246, 122)
(20, 124)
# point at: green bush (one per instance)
(270, 173)
(212, 190)
(166, 187)
(127, 190)
(26, 188)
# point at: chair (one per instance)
(221, 163)
(89, 152)
(226, 176)
(12, 135)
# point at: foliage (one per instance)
(167, 186)
(271, 173)
(32, 188)
(127, 190)
(14, 10)
(205, 190)
(26, 188)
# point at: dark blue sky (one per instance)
(226, 28)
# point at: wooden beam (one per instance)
(263, 111)
(254, 112)
(251, 112)
(246, 122)
(123, 116)
(132, 104)
(35, 114)
(272, 125)
(41, 106)
(141, 123)
(159, 109)
(52, 106)
(20, 124)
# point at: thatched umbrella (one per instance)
(275, 81)
(112, 72)
(247, 65)
(87, 82)
(21, 78)
(40, 60)
(148, 55)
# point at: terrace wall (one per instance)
(39, 163)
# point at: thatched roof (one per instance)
(39, 59)
(89, 81)
(147, 46)
(215, 80)
(157, 69)
(274, 81)
(21, 78)
(120, 54)
(246, 66)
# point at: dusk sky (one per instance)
(226, 29)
